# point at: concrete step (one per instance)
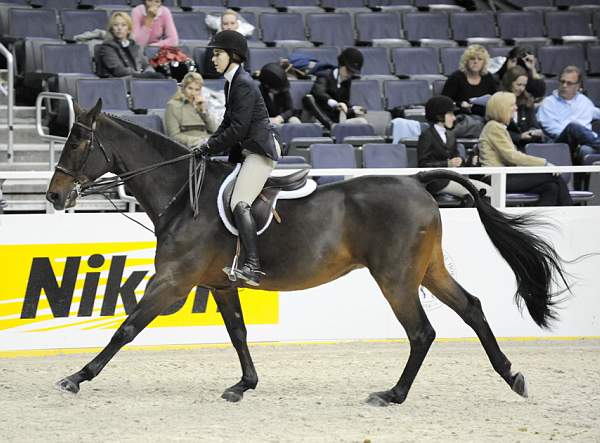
(30, 152)
(25, 166)
(23, 133)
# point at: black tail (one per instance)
(534, 261)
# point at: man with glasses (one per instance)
(566, 115)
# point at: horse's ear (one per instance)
(78, 110)
(95, 111)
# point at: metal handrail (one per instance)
(9, 91)
(38, 119)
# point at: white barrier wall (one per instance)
(68, 280)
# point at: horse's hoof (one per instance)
(67, 385)
(232, 396)
(519, 385)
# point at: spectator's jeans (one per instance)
(575, 134)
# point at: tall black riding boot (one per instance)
(250, 272)
(310, 104)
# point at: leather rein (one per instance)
(84, 186)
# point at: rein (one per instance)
(84, 186)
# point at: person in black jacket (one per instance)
(437, 147)
(523, 127)
(275, 90)
(246, 132)
(329, 98)
(119, 55)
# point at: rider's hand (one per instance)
(202, 150)
(455, 162)
(343, 107)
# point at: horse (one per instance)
(388, 224)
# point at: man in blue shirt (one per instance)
(566, 115)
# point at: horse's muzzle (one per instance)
(62, 201)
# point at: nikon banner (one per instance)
(69, 280)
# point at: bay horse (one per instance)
(390, 225)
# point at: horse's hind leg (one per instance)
(447, 290)
(159, 295)
(228, 302)
(404, 300)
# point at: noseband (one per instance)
(92, 140)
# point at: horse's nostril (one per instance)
(52, 196)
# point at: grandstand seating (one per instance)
(78, 21)
(278, 28)
(330, 29)
(406, 93)
(289, 131)
(332, 155)
(366, 93)
(388, 155)
(424, 25)
(372, 26)
(553, 58)
(341, 131)
(113, 92)
(411, 62)
(151, 94)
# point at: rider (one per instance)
(247, 134)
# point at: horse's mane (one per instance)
(153, 137)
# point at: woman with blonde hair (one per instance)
(497, 149)
(187, 117)
(119, 55)
(471, 80)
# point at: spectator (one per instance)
(188, 119)
(523, 127)
(329, 99)
(275, 89)
(437, 147)
(566, 115)
(497, 149)
(472, 80)
(153, 25)
(519, 56)
(119, 56)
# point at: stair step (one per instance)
(19, 112)
(24, 166)
(23, 133)
(30, 152)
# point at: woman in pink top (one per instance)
(153, 25)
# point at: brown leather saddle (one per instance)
(263, 208)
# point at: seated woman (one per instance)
(497, 149)
(187, 117)
(523, 127)
(437, 147)
(153, 24)
(118, 55)
(275, 89)
(519, 56)
(471, 80)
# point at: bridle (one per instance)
(84, 186)
(81, 181)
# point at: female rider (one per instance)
(247, 134)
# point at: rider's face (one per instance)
(220, 59)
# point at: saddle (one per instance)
(296, 185)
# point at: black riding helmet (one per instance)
(352, 59)
(273, 76)
(438, 106)
(231, 42)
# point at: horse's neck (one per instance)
(156, 188)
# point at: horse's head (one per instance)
(83, 159)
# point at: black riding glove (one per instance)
(201, 150)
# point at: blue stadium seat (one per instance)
(521, 27)
(66, 59)
(112, 91)
(340, 131)
(291, 3)
(474, 25)
(191, 27)
(193, 4)
(331, 29)
(376, 62)
(384, 155)
(567, 23)
(258, 57)
(60, 4)
(554, 58)
(216, 84)
(406, 93)
(298, 89)
(289, 131)
(78, 21)
(282, 26)
(450, 59)
(593, 57)
(31, 23)
(198, 56)
(326, 156)
(366, 93)
(148, 121)
(592, 88)
(533, 3)
(151, 93)
(426, 25)
(569, 3)
(377, 25)
(409, 62)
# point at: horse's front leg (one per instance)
(159, 295)
(228, 302)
